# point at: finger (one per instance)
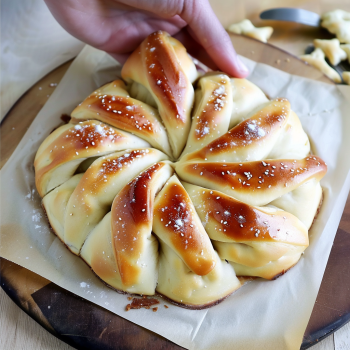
(205, 27)
(121, 58)
(195, 49)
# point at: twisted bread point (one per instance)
(112, 104)
(247, 235)
(187, 253)
(247, 97)
(90, 200)
(163, 67)
(258, 137)
(122, 251)
(212, 111)
(61, 153)
(257, 182)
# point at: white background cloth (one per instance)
(32, 44)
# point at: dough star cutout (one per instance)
(331, 49)
(247, 28)
(317, 59)
(337, 22)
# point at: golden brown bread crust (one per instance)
(250, 133)
(240, 222)
(73, 144)
(212, 111)
(162, 66)
(132, 216)
(112, 104)
(177, 224)
(258, 180)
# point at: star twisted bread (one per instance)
(180, 189)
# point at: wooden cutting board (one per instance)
(87, 326)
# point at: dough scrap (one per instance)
(317, 59)
(337, 22)
(247, 28)
(346, 48)
(331, 49)
(346, 77)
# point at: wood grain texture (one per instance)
(18, 329)
(12, 137)
(18, 120)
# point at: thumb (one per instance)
(205, 27)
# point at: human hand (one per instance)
(119, 26)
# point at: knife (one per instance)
(292, 15)
(304, 17)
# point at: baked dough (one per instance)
(184, 198)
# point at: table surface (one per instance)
(19, 331)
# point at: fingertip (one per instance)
(231, 64)
(240, 70)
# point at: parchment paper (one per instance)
(262, 314)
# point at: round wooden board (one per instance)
(87, 326)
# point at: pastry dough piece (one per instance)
(61, 153)
(112, 104)
(293, 142)
(252, 139)
(55, 204)
(93, 196)
(190, 271)
(177, 225)
(303, 202)
(247, 235)
(134, 246)
(346, 48)
(180, 284)
(162, 66)
(247, 28)
(270, 271)
(317, 59)
(97, 252)
(124, 253)
(346, 77)
(247, 97)
(255, 183)
(212, 111)
(337, 22)
(331, 49)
